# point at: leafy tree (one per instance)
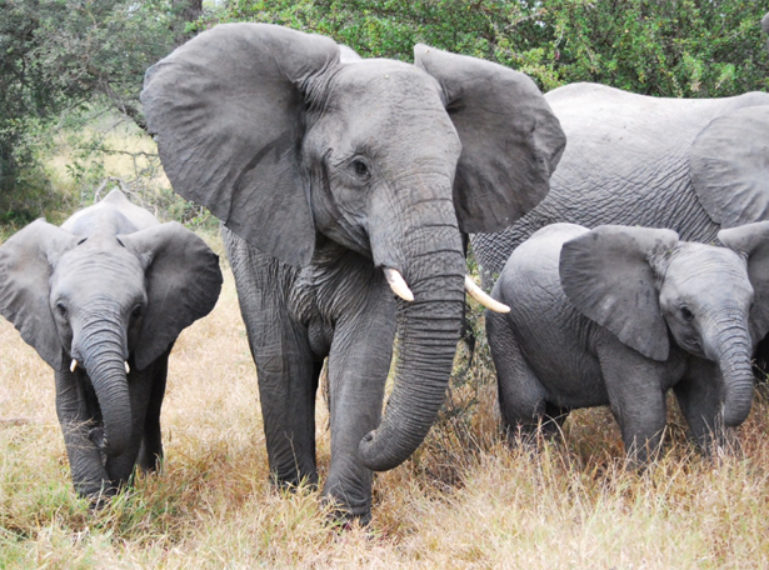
(60, 55)
(664, 47)
(689, 48)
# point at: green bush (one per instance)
(692, 48)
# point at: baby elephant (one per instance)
(102, 299)
(618, 315)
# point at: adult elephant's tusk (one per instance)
(127, 367)
(484, 299)
(73, 365)
(398, 284)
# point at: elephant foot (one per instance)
(99, 498)
(342, 516)
(295, 482)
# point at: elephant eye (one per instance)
(137, 312)
(360, 168)
(686, 314)
(61, 309)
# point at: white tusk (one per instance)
(398, 284)
(127, 368)
(73, 366)
(483, 298)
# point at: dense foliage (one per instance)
(681, 48)
(60, 55)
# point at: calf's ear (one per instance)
(183, 283)
(607, 275)
(27, 261)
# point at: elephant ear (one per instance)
(27, 261)
(752, 240)
(729, 162)
(607, 275)
(227, 111)
(183, 283)
(511, 141)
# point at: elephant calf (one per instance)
(102, 299)
(618, 315)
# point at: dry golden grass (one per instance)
(466, 499)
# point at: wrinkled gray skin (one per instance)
(618, 315)
(327, 170)
(110, 286)
(691, 165)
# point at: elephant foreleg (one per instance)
(358, 365)
(151, 449)
(699, 397)
(288, 381)
(285, 366)
(87, 468)
(636, 397)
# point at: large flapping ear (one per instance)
(227, 109)
(511, 141)
(607, 276)
(729, 162)
(27, 261)
(752, 240)
(183, 283)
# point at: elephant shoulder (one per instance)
(729, 164)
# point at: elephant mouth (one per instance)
(693, 346)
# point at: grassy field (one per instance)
(466, 499)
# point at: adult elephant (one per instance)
(102, 299)
(336, 176)
(692, 165)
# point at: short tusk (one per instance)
(127, 367)
(483, 298)
(73, 365)
(398, 284)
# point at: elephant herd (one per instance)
(347, 188)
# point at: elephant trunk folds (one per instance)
(734, 360)
(428, 331)
(102, 349)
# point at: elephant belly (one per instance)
(556, 347)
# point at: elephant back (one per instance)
(112, 215)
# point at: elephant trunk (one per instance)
(428, 331)
(102, 348)
(734, 360)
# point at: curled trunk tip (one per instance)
(372, 456)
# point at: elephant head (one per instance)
(646, 286)
(292, 146)
(104, 302)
